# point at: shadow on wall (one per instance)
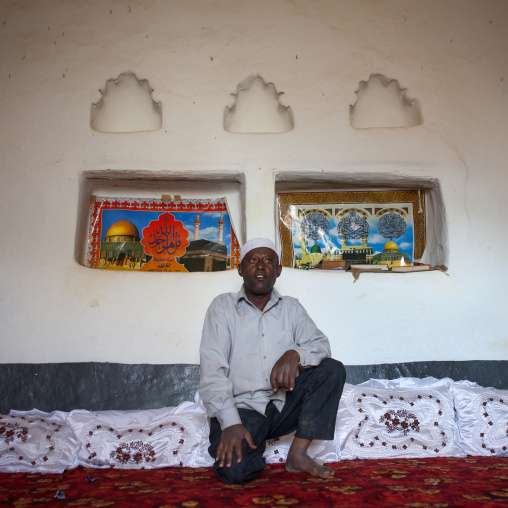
(257, 109)
(126, 105)
(383, 103)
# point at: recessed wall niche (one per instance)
(126, 105)
(257, 109)
(229, 184)
(383, 103)
(436, 239)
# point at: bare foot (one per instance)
(300, 462)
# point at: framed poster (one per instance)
(359, 227)
(188, 235)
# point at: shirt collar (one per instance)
(274, 297)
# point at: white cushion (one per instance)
(388, 423)
(139, 439)
(482, 416)
(409, 382)
(38, 442)
(122, 418)
(198, 456)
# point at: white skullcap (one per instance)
(256, 243)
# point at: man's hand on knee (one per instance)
(231, 439)
(284, 371)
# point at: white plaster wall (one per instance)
(451, 56)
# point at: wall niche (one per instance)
(436, 236)
(126, 105)
(229, 184)
(257, 109)
(383, 103)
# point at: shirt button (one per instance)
(264, 357)
(262, 335)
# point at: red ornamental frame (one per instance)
(99, 204)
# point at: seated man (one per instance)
(265, 372)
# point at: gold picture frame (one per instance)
(373, 204)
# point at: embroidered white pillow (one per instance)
(198, 455)
(388, 423)
(409, 382)
(38, 442)
(277, 450)
(122, 418)
(166, 440)
(482, 415)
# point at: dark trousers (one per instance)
(310, 409)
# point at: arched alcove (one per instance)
(383, 103)
(257, 109)
(126, 105)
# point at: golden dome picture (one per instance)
(122, 230)
(391, 247)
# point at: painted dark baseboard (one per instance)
(102, 386)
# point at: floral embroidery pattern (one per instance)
(400, 420)
(272, 443)
(377, 422)
(11, 431)
(135, 452)
(424, 483)
(491, 410)
(164, 442)
(39, 436)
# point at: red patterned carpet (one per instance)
(419, 483)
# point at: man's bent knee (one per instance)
(240, 472)
(335, 370)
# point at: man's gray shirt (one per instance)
(241, 344)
